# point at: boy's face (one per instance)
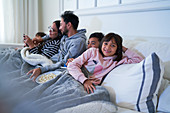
(109, 48)
(93, 42)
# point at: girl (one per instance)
(100, 61)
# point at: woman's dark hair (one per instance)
(118, 40)
(68, 16)
(57, 23)
(98, 35)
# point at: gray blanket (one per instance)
(21, 95)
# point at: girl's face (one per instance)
(109, 48)
(93, 42)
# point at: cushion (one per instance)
(161, 49)
(164, 101)
(167, 70)
(135, 86)
(163, 86)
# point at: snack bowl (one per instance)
(47, 76)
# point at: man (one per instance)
(73, 44)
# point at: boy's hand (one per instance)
(69, 60)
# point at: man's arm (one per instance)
(76, 49)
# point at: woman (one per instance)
(49, 47)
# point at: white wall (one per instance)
(49, 11)
(151, 23)
(142, 18)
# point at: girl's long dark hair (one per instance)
(118, 40)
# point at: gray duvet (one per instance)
(19, 94)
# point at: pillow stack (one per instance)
(135, 86)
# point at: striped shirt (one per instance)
(47, 48)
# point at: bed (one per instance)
(119, 92)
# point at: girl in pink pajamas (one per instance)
(100, 61)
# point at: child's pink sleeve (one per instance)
(74, 67)
(132, 57)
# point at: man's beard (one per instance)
(65, 32)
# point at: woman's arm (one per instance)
(28, 41)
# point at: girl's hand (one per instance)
(95, 81)
(88, 86)
(124, 49)
(69, 60)
(35, 72)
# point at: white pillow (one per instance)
(135, 86)
(145, 48)
(164, 101)
(161, 49)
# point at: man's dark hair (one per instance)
(68, 16)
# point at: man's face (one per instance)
(63, 27)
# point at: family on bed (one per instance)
(65, 45)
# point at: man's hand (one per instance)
(35, 72)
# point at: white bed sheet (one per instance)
(124, 110)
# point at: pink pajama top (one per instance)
(98, 65)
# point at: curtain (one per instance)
(18, 17)
(1, 23)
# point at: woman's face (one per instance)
(109, 48)
(93, 42)
(53, 31)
